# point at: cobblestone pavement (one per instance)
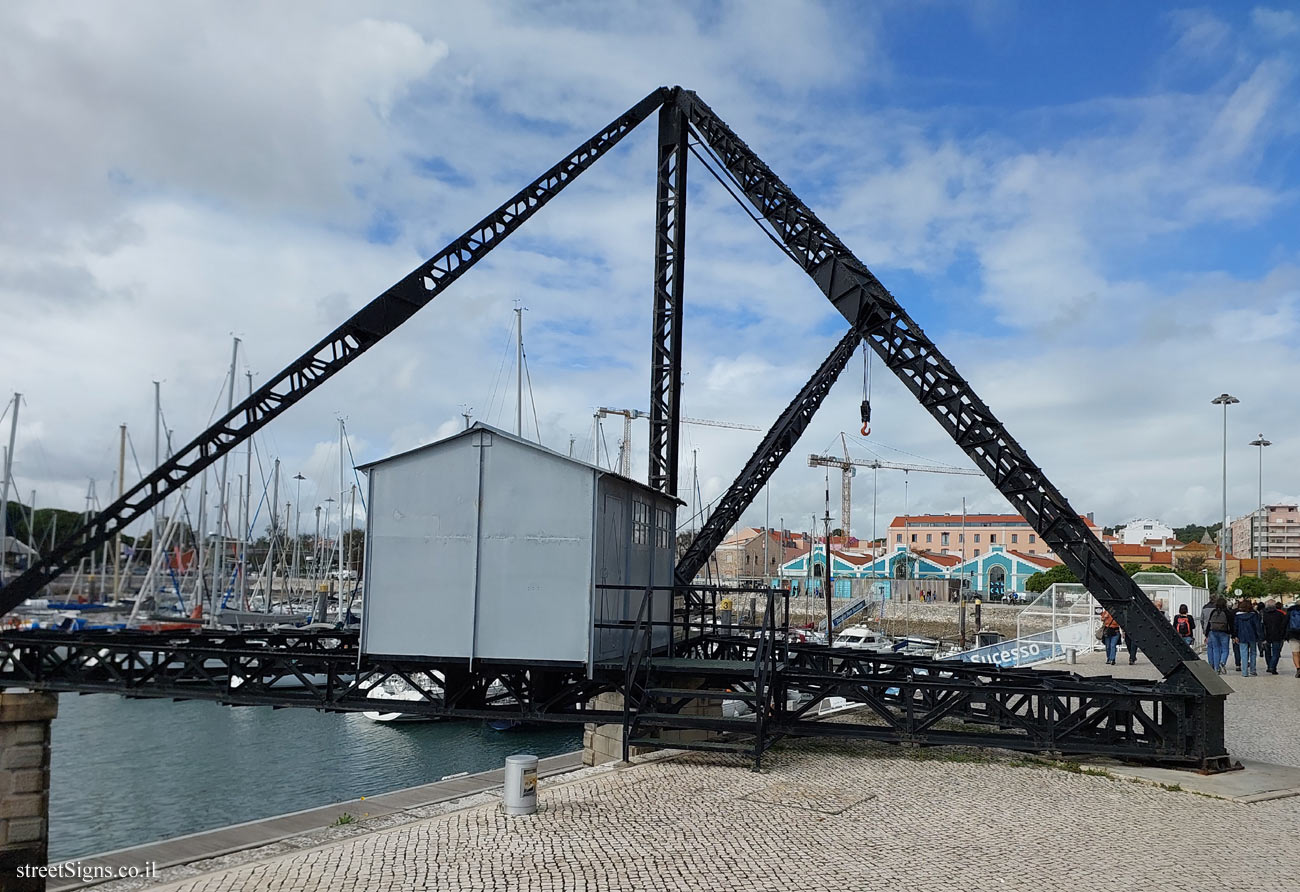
(1262, 716)
(822, 815)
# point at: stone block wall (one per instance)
(24, 785)
(604, 743)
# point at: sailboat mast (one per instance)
(159, 510)
(4, 496)
(246, 527)
(218, 554)
(343, 467)
(519, 372)
(275, 533)
(117, 541)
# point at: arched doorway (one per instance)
(997, 581)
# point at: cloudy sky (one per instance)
(1092, 209)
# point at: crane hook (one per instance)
(866, 418)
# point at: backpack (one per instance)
(1293, 619)
(1220, 621)
(1183, 625)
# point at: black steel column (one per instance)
(670, 251)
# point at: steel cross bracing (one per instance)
(931, 377)
(367, 327)
(669, 276)
(779, 441)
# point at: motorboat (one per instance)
(864, 638)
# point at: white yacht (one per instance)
(864, 638)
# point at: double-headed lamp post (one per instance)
(1263, 516)
(1225, 400)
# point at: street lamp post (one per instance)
(1262, 516)
(1225, 400)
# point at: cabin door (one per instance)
(612, 604)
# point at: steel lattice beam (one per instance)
(910, 354)
(366, 328)
(669, 275)
(779, 441)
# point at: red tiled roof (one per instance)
(943, 560)
(1041, 560)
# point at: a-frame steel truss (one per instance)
(873, 314)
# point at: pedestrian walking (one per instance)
(1185, 625)
(1293, 634)
(1275, 623)
(1205, 624)
(1218, 632)
(1132, 648)
(1247, 632)
(1109, 636)
(1260, 607)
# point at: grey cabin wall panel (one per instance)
(422, 541)
(611, 565)
(535, 556)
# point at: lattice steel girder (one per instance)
(321, 672)
(908, 352)
(366, 328)
(779, 442)
(669, 277)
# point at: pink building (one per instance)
(948, 533)
(1274, 531)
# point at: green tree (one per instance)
(1278, 583)
(1040, 582)
(1250, 587)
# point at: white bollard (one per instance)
(520, 785)
(1071, 656)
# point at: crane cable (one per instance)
(866, 390)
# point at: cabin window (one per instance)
(663, 528)
(640, 522)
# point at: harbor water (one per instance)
(126, 772)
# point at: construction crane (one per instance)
(629, 415)
(848, 468)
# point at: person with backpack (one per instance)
(1109, 636)
(1218, 632)
(1293, 634)
(1184, 625)
(1275, 622)
(1247, 632)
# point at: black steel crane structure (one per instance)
(1179, 719)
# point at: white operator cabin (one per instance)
(484, 546)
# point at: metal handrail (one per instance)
(632, 665)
